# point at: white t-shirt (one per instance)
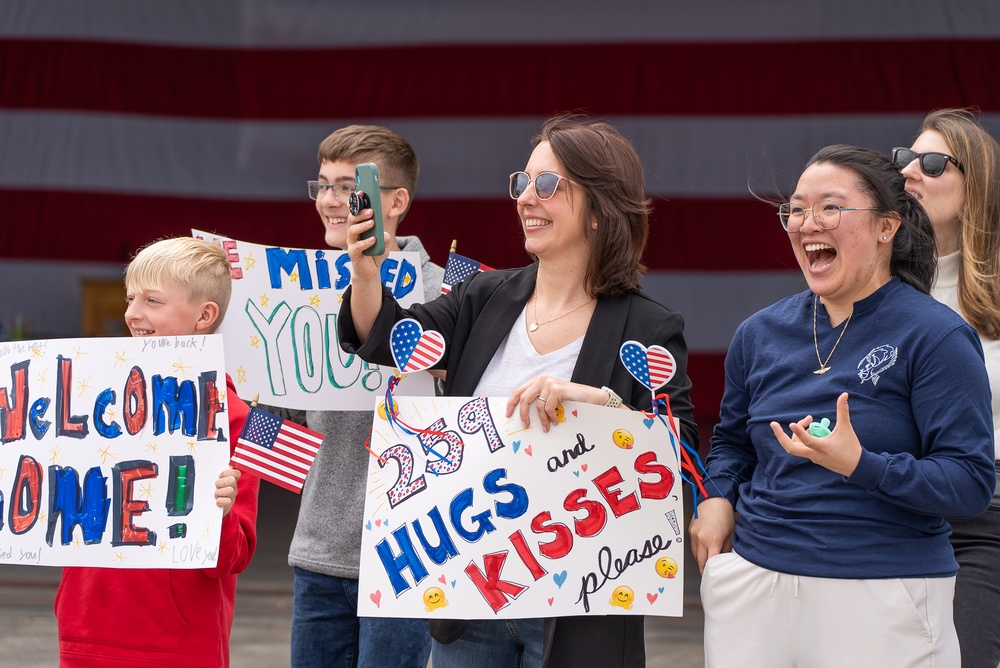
(516, 362)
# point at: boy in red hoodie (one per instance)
(112, 618)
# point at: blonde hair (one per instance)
(198, 267)
(979, 230)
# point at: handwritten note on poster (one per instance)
(110, 451)
(481, 518)
(281, 327)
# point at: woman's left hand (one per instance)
(839, 452)
(545, 393)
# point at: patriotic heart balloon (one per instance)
(652, 366)
(413, 349)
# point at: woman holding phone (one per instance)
(541, 335)
(953, 169)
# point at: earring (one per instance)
(884, 238)
(594, 225)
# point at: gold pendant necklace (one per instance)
(534, 315)
(823, 368)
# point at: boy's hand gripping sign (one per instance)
(281, 327)
(471, 515)
(110, 451)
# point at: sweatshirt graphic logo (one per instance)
(875, 362)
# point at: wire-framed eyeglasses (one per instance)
(826, 214)
(341, 191)
(546, 184)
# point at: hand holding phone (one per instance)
(368, 195)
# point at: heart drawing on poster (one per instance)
(413, 349)
(653, 366)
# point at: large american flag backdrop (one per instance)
(123, 121)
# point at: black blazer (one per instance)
(474, 318)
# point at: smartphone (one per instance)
(366, 182)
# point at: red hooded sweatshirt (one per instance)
(110, 618)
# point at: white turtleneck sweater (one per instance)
(945, 290)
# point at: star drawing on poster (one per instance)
(182, 368)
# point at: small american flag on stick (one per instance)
(276, 450)
(458, 269)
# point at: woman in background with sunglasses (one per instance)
(839, 554)
(953, 169)
(541, 335)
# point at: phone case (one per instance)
(366, 181)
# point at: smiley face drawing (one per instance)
(666, 568)
(381, 409)
(560, 414)
(622, 597)
(623, 439)
(434, 599)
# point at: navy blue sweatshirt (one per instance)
(919, 404)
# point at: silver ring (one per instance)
(542, 399)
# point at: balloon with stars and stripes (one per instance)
(653, 366)
(413, 349)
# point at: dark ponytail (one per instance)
(914, 250)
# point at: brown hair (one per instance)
(608, 170)
(979, 236)
(396, 159)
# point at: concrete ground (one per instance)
(264, 606)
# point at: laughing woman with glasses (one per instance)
(953, 169)
(541, 335)
(827, 544)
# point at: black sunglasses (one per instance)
(931, 164)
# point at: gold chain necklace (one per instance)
(534, 315)
(823, 368)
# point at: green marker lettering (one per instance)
(180, 491)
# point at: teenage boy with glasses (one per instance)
(326, 547)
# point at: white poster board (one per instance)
(281, 326)
(110, 451)
(488, 519)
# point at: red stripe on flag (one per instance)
(686, 234)
(887, 76)
(426, 353)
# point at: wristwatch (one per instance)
(614, 401)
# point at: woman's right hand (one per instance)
(712, 532)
